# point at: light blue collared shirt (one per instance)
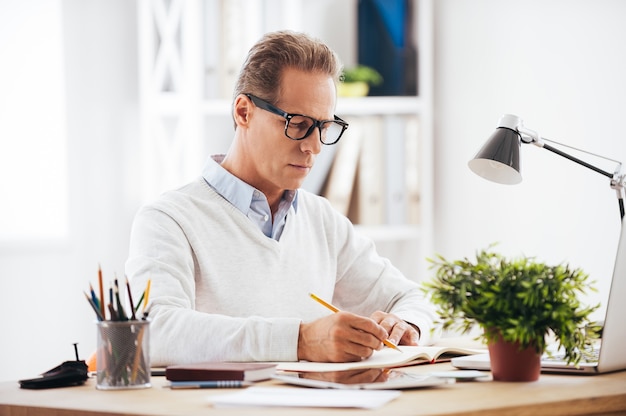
(249, 200)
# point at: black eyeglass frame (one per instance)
(264, 105)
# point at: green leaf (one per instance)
(520, 298)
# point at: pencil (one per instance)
(137, 359)
(323, 302)
(139, 302)
(94, 297)
(147, 297)
(101, 290)
(130, 299)
(120, 308)
(210, 384)
(335, 310)
(113, 312)
(94, 306)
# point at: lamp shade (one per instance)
(498, 159)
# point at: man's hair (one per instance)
(261, 72)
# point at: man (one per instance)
(233, 256)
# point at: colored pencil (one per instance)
(101, 290)
(95, 308)
(130, 300)
(147, 297)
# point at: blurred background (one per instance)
(104, 104)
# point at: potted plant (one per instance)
(518, 304)
(355, 81)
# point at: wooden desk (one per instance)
(551, 395)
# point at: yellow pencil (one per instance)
(146, 298)
(335, 309)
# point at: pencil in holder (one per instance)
(123, 356)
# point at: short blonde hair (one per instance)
(260, 74)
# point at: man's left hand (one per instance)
(400, 332)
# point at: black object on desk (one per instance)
(69, 373)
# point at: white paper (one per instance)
(305, 397)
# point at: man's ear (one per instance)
(241, 110)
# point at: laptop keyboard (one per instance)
(588, 356)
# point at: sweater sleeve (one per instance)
(160, 251)
(367, 282)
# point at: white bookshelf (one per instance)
(380, 106)
(185, 109)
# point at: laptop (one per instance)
(612, 352)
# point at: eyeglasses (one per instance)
(299, 127)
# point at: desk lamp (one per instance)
(498, 159)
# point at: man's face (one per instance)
(279, 162)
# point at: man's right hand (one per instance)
(340, 337)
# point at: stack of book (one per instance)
(217, 374)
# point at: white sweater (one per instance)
(223, 291)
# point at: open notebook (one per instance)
(611, 355)
(385, 358)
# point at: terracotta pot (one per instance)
(509, 363)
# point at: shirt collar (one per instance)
(234, 190)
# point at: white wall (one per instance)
(560, 65)
(42, 308)
(27, 147)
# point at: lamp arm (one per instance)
(530, 136)
(575, 159)
(618, 180)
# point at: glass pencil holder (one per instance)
(123, 355)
